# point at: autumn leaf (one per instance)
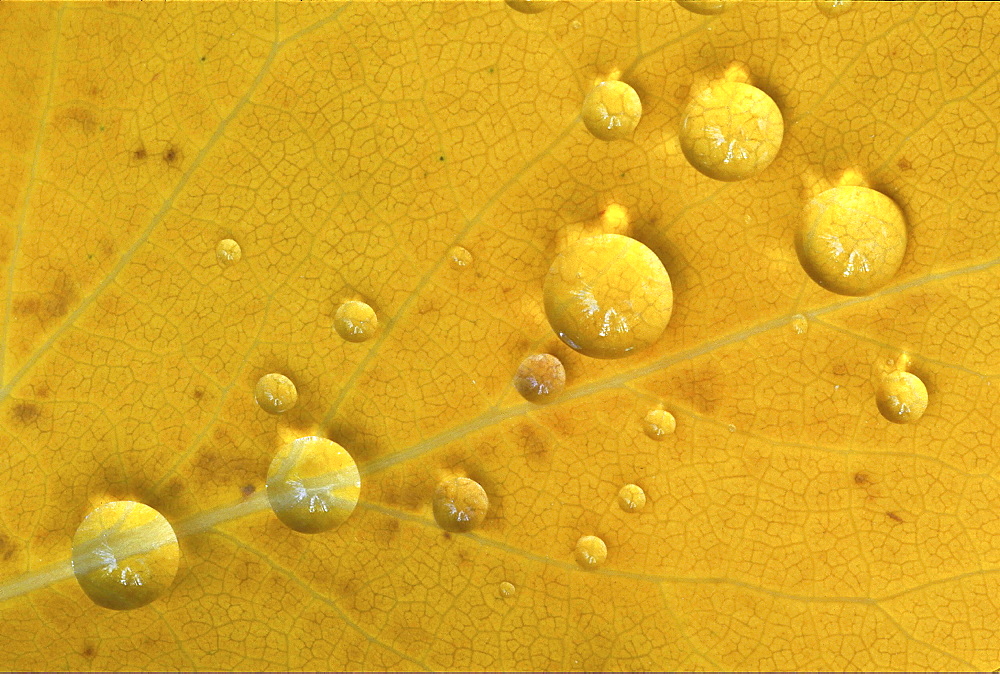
(347, 149)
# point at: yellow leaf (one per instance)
(347, 150)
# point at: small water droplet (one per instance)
(591, 552)
(631, 498)
(732, 428)
(228, 252)
(611, 110)
(529, 6)
(799, 324)
(460, 504)
(608, 296)
(576, 25)
(834, 7)
(901, 397)
(851, 239)
(540, 378)
(731, 130)
(355, 321)
(275, 393)
(125, 555)
(658, 423)
(313, 484)
(507, 590)
(459, 258)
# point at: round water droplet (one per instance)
(608, 296)
(313, 484)
(591, 552)
(507, 590)
(834, 7)
(355, 321)
(631, 498)
(529, 6)
(732, 428)
(658, 423)
(706, 7)
(800, 324)
(460, 504)
(901, 397)
(611, 110)
(125, 555)
(731, 130)
(851, 240)
(275, 393)
(540, 378)
(228, 252)
(459, 258)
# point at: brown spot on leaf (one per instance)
(171, 155)
(199, 393)
(862, 479)
(89, 651)
(893, 516)
(6, 548)
(24, 413)
(139, 154)
(49, 305)
(79, 119)
(247, 490)
(904, 164)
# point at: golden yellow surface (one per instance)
(347, 148)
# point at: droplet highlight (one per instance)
(658, 423)
(591, 552)
(608, 296)
(125, 555)
(901, 397)
(460, 504)
(355, 321)
(705, 7)
(459, 258)
(611, 110)
(851, 239)
(275, 393)
(631, 498)
(731, 130)
(799, 324)
(540, 378)
(834, 8)
(313, 484)
(228, 252)
(507, 590)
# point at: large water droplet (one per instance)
(608, 296)
(658, 423)
(706, 7)
(834, 7)
(591, 552)
(731, 130)
(611, 110)
(460, 504)
(851, 239)
(800, 324)
(355, 321)
(540, 378)
(125, 555)
(529, 6)
(275, 393)
(901, 397)
(313, 484)
(228, 252)
(631, 498)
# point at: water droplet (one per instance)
(834, 7)
(631, 498)
(591, 552)
(507, 590)
(576, 25)
(658, 423)
(313, 484)
(901, 397)
(851, 239)
(459, 258)
(529, 6)
(125, 555)
(540, 378)
(800, 324)
(608, 296)
(611, 110)
(706, 7)
(275, 393)
(460, 504)
(732, 428)
(228, 252)
(355, 321)
(731, 130)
